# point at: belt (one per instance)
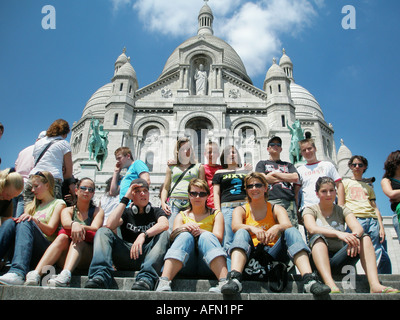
(232, 204)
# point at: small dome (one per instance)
(98, 101)
(344, 153)
(127, 70)
(122, 59)
(306, 104)
(275, 71)
(285, 60)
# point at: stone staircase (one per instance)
(197, 290)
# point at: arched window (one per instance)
(115, 119)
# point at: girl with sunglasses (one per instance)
(73, 247)
(259, 223)
(196, 249)
(31, 233)
(332, 247)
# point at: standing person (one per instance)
(108, 202)
(24, 165)
(143, 244)
(135, 169)
(50, 154)
(11, 185)
(74, 243)
(333, 247)
(33, 232)
(229, 191)
(311, 171)
(174, 194)
(196, 250)
(212, 154)
(391, 185)
(360, 199)
(259, 222)
(281, 176)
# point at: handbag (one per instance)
(261, 267)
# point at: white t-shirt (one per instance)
(309, 174)
(53, 158)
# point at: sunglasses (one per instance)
(83, 188)
(195, 194)
(257, 185)
(275, 144)
(360, 165)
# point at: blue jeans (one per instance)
(176, 205)
(28, 242)
(288, 245)
(196, 260)
(109, 249)
(371, 228)
(19, 205)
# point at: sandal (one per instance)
(335, 290)
(388, 290)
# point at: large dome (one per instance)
(306, 105)
(230, 58)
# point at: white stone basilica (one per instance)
(203, 92)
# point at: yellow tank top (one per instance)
(264, 224)
(205, 224)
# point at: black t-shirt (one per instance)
(6, 208)
(134, 224)
(279, 190)
(231, 185)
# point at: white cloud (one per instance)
(252, 28)
(117, 4)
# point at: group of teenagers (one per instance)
(211, 219)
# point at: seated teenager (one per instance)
(197, 249)
(259, 222)
(31, 233)
(73, 246)
(333, 247)
(143, 245)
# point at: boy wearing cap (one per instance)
(142, 247)
(281, 176)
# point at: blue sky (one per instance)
(50, 74)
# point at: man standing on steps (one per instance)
(281, 176)
(144, 242)
(135, 169)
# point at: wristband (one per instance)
(124, 200)
(145, 235)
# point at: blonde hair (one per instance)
(8, 177)
(45, 177)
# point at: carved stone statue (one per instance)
(200, 78)
(297, 135)
(98, 143)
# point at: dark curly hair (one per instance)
(391, 164)
(58, 128)
(361, 158)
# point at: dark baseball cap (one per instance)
(142, 182)
(276, 138)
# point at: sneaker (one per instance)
(164, 284)
(217, 288)
(12, 279)
(61, 280)
(141, 285)
(314, 286)
(32, 278)
(95, 283)
(233, 285)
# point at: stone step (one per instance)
(194, 289)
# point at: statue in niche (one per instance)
(200, 78)
(297, 135)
